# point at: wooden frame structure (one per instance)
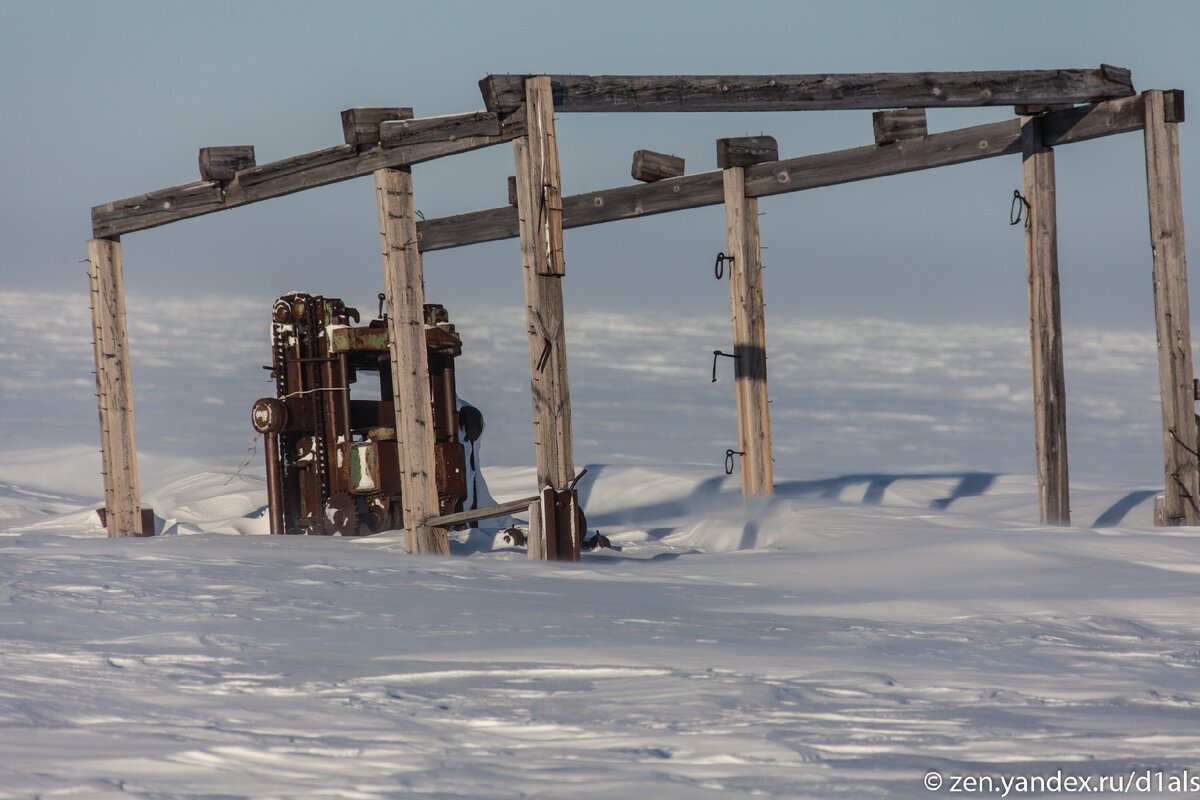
(1055, 107)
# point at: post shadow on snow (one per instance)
(714, 491)
(970, 484)
(1117, 511)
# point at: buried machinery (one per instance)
(333, 459)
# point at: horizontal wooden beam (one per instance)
(476, 514)
(874, 90)
(796, 174)
(278, 178)
(439, 129)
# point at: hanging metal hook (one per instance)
(719, 266)
(382, 302)
(729, 454)
(1018, 207)
(717, 353)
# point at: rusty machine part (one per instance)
(333, 463)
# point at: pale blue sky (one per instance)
(105, 100)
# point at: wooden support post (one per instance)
(1171, 312)
(1045, 325)
(114, 390)
(536, 541)
(539, 207)
(749, 335)
(404, 284)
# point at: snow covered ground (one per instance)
(895, 609)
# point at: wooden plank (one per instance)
(542, 265)
(512, 190)
(901, 123)
(404, 285)
(746, 151)
(222, 163)
(265, 181)
(749, 335)
(796, 174)
(439, 129)
(536, 540)
(360, 126)
(583, 93)
(1045, 326)
(651, 166)
(114, 390)
(474, 515)
(1172, 316)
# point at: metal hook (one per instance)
(719, 266)
(1019, 205)
(729, 454)
(719, 353)
(382, 300)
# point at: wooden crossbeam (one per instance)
(797, 174)
(278, 178)
(439, 129)
(504, 93)
(476, 514)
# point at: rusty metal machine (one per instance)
(332, 458)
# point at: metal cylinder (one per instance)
(274, 483)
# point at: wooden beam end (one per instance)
(649, 166)
(902, 123)
(1173, 105)
(360, 126)
(222, 163)
(1119, 75)
(746, 151)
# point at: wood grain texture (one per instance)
(114, 390)
(1045, 326)
(439, 129)
(476, 514)
(540, 223)
(1172, 315)
(222, 163)
(650, 166)
(796, 174)
(360, 126)
(536, 540)
(265, 181)
(585, 93)
(749, 335)
(746, 151)
(404, 285)
(901, 123)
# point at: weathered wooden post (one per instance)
(1045, 325)
(749, 320)
(404, 285)
(1175, 376)
(539, 208)
(114, 390)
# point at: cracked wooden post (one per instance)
(114, 390)
(1045, 325)
(1171, 314)
(404, 285)
(539, 208)
(749, 320)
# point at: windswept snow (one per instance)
(840, 639)
(895, 608)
